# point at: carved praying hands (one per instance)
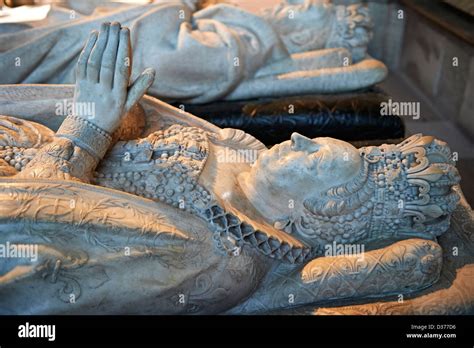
(103, 77)
(103, 90)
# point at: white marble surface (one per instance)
(220, 52)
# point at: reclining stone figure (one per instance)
(173, 223)
(219, 52)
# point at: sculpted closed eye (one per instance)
(314, 159)
(316, 155)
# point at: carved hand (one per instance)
(102, 94)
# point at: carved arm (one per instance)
(398, 269)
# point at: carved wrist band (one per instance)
(85, 135)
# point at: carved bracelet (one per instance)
(85, 135)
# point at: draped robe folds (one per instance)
(220, 52)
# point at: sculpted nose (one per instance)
(301, 143)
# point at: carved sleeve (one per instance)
(74, 153)
(400, 268)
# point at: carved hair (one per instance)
(351, 27)
(352, 30)
(297, 27)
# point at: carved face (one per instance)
(303, 167)
(303, 25)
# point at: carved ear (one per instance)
(321, 206)
(301, 38)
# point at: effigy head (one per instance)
(306, 167)
(345, 195)
(307, 25)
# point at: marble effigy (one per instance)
(142, 208)
(203, 55)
